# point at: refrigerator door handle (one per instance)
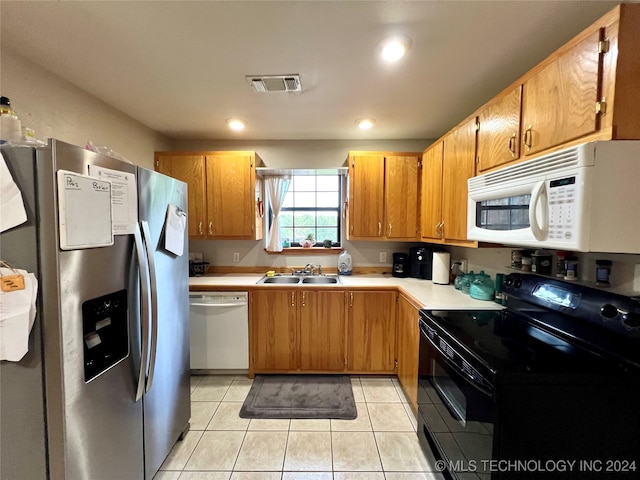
(144, 317)
(146, 234)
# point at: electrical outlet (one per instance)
(383, 257)
(464, 265)
(636, 278)
(236, 257)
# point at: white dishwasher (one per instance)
(219, 330)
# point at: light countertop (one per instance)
(424, 292)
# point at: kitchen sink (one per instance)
(280, 280)
(297, 279)
(320, 280)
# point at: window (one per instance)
(312, 206)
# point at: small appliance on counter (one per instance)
(400, 265)
(420, 260)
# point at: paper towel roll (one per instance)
(440, 272)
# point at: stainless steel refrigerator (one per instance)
(103, 392)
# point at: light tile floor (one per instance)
(381, 444)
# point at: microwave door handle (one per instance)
(143, 269)
(537, 195)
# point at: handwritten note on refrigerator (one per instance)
(84, 211)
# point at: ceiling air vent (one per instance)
(275, 83)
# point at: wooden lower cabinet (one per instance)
(408, 335)
(297, 330)
(273, 331)
(322, 330)
(371, 331)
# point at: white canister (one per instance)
(440, 269)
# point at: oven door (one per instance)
(456, 409)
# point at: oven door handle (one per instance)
(464, 375)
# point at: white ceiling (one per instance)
(180, 67)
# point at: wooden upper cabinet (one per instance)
(559, 100)
(402, 175)
(383, 196)
(499, 130)
(431, 194)
(225, 198)
(191, 170)
(366, 196)
(458, 167)
(231, 196)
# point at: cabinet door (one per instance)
(274, 336)
(231, 196)
(559, 101)
(458, 167)
(322, 330)
(371, 332)
(408, 350)
(191, 170)
(431, 194)
(402, 176)
(366, 196)
(499, 132)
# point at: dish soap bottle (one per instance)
(344, 263)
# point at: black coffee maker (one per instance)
(400, 265)
(420, 262)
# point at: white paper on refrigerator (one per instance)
(12, 212)
(124, 198)
(84, 211)
(174, 227)
(17, 314)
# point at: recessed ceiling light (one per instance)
(365, 123)
(236, 124)
(394, 48)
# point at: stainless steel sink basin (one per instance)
(296, 279)
(280, 280)
(320, 280)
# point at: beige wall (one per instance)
(56, 108)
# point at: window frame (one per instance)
(338, 210)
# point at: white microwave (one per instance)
(585, 198)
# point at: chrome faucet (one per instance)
(308, 268)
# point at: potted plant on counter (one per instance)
(308, 242)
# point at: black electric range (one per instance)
(550, 385)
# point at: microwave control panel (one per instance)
(562, 206)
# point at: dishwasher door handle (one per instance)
(217, 304)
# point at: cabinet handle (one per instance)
(210, 228)
(528, 134)
(200, 228)
(379, 228)
(512, 145)
(351, 299)
(345, 205)
(389, 230)
(303, 298)
(293, 299)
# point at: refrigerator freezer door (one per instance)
(167, 406)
